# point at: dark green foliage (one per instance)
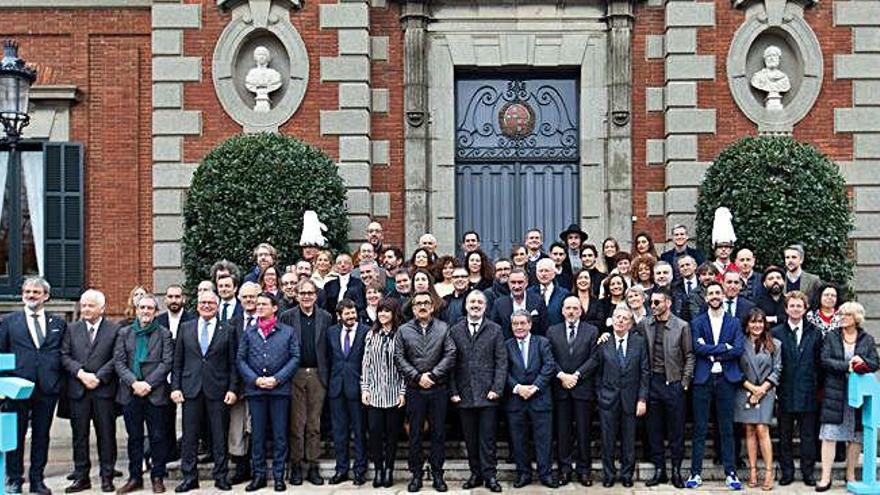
(255, 188)
(780, 192)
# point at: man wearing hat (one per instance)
(723, 239)
(574, 238)
(771, 300)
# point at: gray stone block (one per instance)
(867, 199)
(357, 225)
(654, 99)
(655, 203)
(345, 15)
(358, 201)
(355, 175)
(860, 119)
(857, 66)
(381, 204)
(866, 146)
(167, 228)
(167, 255)
(690, 121)
(857, 13)
(345, 68)
(354, 149)
(163, 277)
(681, 94)
(167, 149)
(866, 93)
(182, 122)
(167, 42)
(354, 95)
(865, 225)
(354, 42)
(690, 14)
(682, 200)
(176, 16)
(688, 220)
(345, 122)
(167, 95)
(173, 175)
(378, 4)
(685, 174)
(861, 173)
(379, 47)
(380, 101)
(654, 46)
(681, 40)
(380, 152)
(866, 39)
(168, 201)
(681, 147)
(867, 252)
(654, 151)
(866, 278)
(181, 69)
(689, 67)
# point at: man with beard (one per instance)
(453, 310)
(375, 236)
(795, 277)
(706, 273)
(303, 269)
(287, 299)
(771, 301)
(499, 285)
(265, 256)
(752, 287)
(718, 344)
(392, 260)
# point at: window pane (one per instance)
(28, 248)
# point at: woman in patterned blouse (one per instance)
(824, 315)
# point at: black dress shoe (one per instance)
(223, 485)
(627, 483)
(786, 480)
(296, 475)
(585, 479)
(40, 488)
(415, 484)
(607, 482)
(549, 482)
(186, 486)
(241, 475)
(809, 481)
(14, 487)
(564, 478)
(677, 480)
(256, 484)
(521, 481)
(493, 485)
(438, 483)
(79, 485)
(359, 479)
(72, 476)
(314, 476)
(658, 478)
(107, 484)
(389, 477)
(472, 482)
(117, 473)
(338, 478)
(820, 488)
(132, 485)
(280, 486)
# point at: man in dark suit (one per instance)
(519, 298)
(772, 299)
(346, 344)
(534, 243)
(718, 344)
(476, 385)
(34, 337)
(143, 357)
(499, 288)
(752, 286)
(309, 385)
(574, 238)
(87, 356)
(795, 277)
(801, 365)
(734, 304)
(680, 249)
(204, 380)
(573, 342)
(344, 286)
(227, 286)
(530, 370)
(623, 376)
(551, 293)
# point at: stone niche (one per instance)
(266, 24)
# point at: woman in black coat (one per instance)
(845, 350)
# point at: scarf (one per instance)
(141, 345)
(266, 326)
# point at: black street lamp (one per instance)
(15, 84)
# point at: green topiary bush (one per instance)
(254, 188)
(780, 192)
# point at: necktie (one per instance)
(203, 336)
(41, 336)
(730, 307)
(225, 314)
(571, 334)
(522, 351)
(621, 357)
(91, 333)
(250, 322)
(688, 287)
(543, 290)
(797, 335)
(474, 327)
(346, 344)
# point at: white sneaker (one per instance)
(694, 481)
(733, 482)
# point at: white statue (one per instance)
(262, 79)
(771, 80)
(312, 228)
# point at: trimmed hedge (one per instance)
(254, 188)
(780, 192)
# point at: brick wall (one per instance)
(106, 54)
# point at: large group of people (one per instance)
(541, 343)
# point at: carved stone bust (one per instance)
(771, 79)
(262, 79)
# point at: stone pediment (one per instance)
(231, 4)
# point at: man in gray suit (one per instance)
(795, 277)
(142, 359)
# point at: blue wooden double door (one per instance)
(517, 158)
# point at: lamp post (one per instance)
(15, 84)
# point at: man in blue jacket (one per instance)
(718, 344)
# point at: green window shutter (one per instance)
(64, 218)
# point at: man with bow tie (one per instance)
(34, 337)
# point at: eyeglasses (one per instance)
(207, 303)
(656, 302)
(306, 293)
(422, 303)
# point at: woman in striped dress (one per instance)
(383, 390)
